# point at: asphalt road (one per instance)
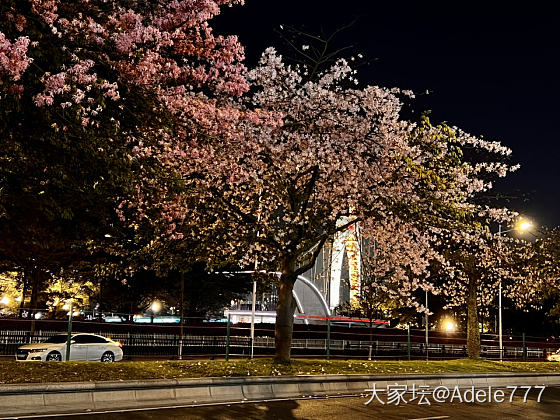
(349, 408)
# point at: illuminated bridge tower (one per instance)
(345, 248)
(333, 280)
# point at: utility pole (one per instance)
(254, 303)
(328, 338)
(501, 344)
(522, 226)
(254, 300)
(408, 340)
(501, 340)
(227, 335)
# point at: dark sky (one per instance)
(491, 70)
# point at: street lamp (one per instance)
(254, 295)
(156, 307)
(449, 326)
(521, 226)
(524, 225)
(426, 321)
(69, 305)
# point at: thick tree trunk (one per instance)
(473, 332)
(285, 312)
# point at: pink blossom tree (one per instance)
(99, 99)
(537, 286)
(443, 244)
(339, 155)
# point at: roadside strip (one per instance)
(51, 398)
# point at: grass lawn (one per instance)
(33, 372)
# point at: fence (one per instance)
(216, 340)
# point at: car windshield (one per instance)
(57, 339)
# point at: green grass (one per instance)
(37, 372)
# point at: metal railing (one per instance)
(389, 346)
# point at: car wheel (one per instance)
(108, 357)
(54, 356)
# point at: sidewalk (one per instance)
(50, 398)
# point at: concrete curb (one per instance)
(27, 399)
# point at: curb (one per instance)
(50, 398)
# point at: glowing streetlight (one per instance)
(449, 326)
(524, 225)
(156, 307)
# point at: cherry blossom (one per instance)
(13, 61)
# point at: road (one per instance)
(348, 408)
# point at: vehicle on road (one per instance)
(554, 357)
(83, 347)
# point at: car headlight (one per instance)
(548, 357)
(37, 350)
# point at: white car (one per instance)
(84, 347)
(554, 357)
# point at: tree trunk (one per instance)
(285, 312)
(473, 332)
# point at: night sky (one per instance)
(491, 70)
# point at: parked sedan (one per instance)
(554, 357)
(84, 347)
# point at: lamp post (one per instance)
(182, 315)
(501, 344)
(522, 226)
(253, 305)
(69, 334)
(254, 296)
(426, 320)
